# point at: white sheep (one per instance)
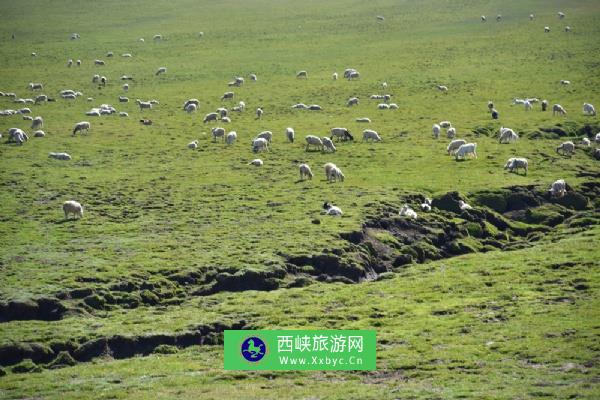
(527, 105)
(567, 148)
(99, 62)
(557, 108)
(334, 76)
(315, 107)
(305, 171)
(369, 134)
(260, 144)
(465, 150)
(454, 145)
(451, 133)
(335, 174)
(597, 137)
(406, 211)
(507, 135)
(40, 98)
(144, 105)
(259, 113)
(352, 101)
(267, 135)
(354, 75)
(72, 207)
(193, 144)
(565, 82)
(257, 162)
(436, 130)
(328, 145)
(161, 70)
(123, 114)
(126, 55)
(514, 163)
(426, 205)
(393, 106)
(191, 107)
(302, 74)
(561, 14)
(125, 87)
(226, 120)
(586, 142)
(363, 120)
(81, 126)
(123, 99)
(483, 18)
(35, 86)
(37, 122)
(69, 62)
(210, 117)
(290, 134)
(300, 106)
(588, 109)
(546, 29)
(442, 88)
(223, 112)
(445, 124)
(531, 16)
(78, 62)
(228, 96)
(60, 156)
(157, 37)
(218, 132)
(558, 188)
(231, 138)
(39, 134)
(330, 209)
(463, 205)
(253, 77)
(348, 71)
(94, 112)
(314, 141)
(567, 28)
(341, 133)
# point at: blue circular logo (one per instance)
(253, 349)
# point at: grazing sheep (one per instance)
(78, 62)
(558, 188)
(451, 133)
(72, 207)
(301, 106)
(330, 209)
(445, 124)
(588, 109)
(352, 101)
(144, 105)
(314, 141)
(463, 205)
(81, 126)
(507, 135)
(442, 88)
(123, 99)
(125, 87)
(95, 78)
(38, 122)
(436, 130)
(123, 114)
(371, 135)
(514, 163)
(69, 62)
(561, 15)
(305, 171)
(348, 71)
(126, 55)
(334, 76)
(302, 74)
(290, 134)
(259, 113)
(383, 106)
(24, 111)
(483, 18)
(546, 29)
(218, 132)
(17, 135)
(99, 62)
(315, 107)
(380, 18)
(557, 108)
(465, 150)
(363, 119)
(495, 114)
(161, 70)
(341, 133)
(565, 82)
(60, 156)
(193, 144)
(531, 17)
(426, 205)
(157, 37)
(75, 36)
(42, 98)
(586, 142)
(384, 85)
(393, 106)
(544, 105)
(33, 54)
(39, 134)
(567, 148)
(103, 80)
(253, 77)
(141, 40)
(498, 18)
(146, 121)
(406, 211)
(94, 112)
(328, 145)
(191, 107)
(527, 105)
(257, 162)
(242, 106)
(28, 118)
(354, 75)
(267, 135)
(227, 96)
(567, 28)
(226, 120)
(335, 174)
(260, 144)
(35, 86)
(454, 146)
(231, 138)
(223, 112)
(210, 117)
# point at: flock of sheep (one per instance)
(459, 148)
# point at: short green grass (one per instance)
(154, 207)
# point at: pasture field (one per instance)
(498, 302)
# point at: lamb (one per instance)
(483, 18)
(81, 126)
(454, 146)
(38, 122)
(125, 87)
(305, 171)
(371, 135)
(567, 148)
(464, 206)
(436, 130)
(260, 144)
(231, 138)
(352, 101)
(451, 133)
(507, 135)
(314, 141)
(302, 74)
(210, 117)
(110, 54)
(466, 149)
(257, 162)
(193, 144)
(363, 119)
(78, 62)
(332, 210)
(242, 106)
(161, 70)
(267, 135)
(567, 28)
(558, 188)
(328, 145)
(513, 164)
(406, 211)
(95, 78)
(341, 133)
(103, 80)
(557, 108)
(490, 105)
(531, 17)
(445, 124)
(383, 106)
(393, 106)
(227, 96)
(60, 156)
(290, 134)
(495, 114)
(527, 105)
(218, 132)
(72, 207)
(498, 18)
(588, 109)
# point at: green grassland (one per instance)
(154, 210)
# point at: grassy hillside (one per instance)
(165, 226)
